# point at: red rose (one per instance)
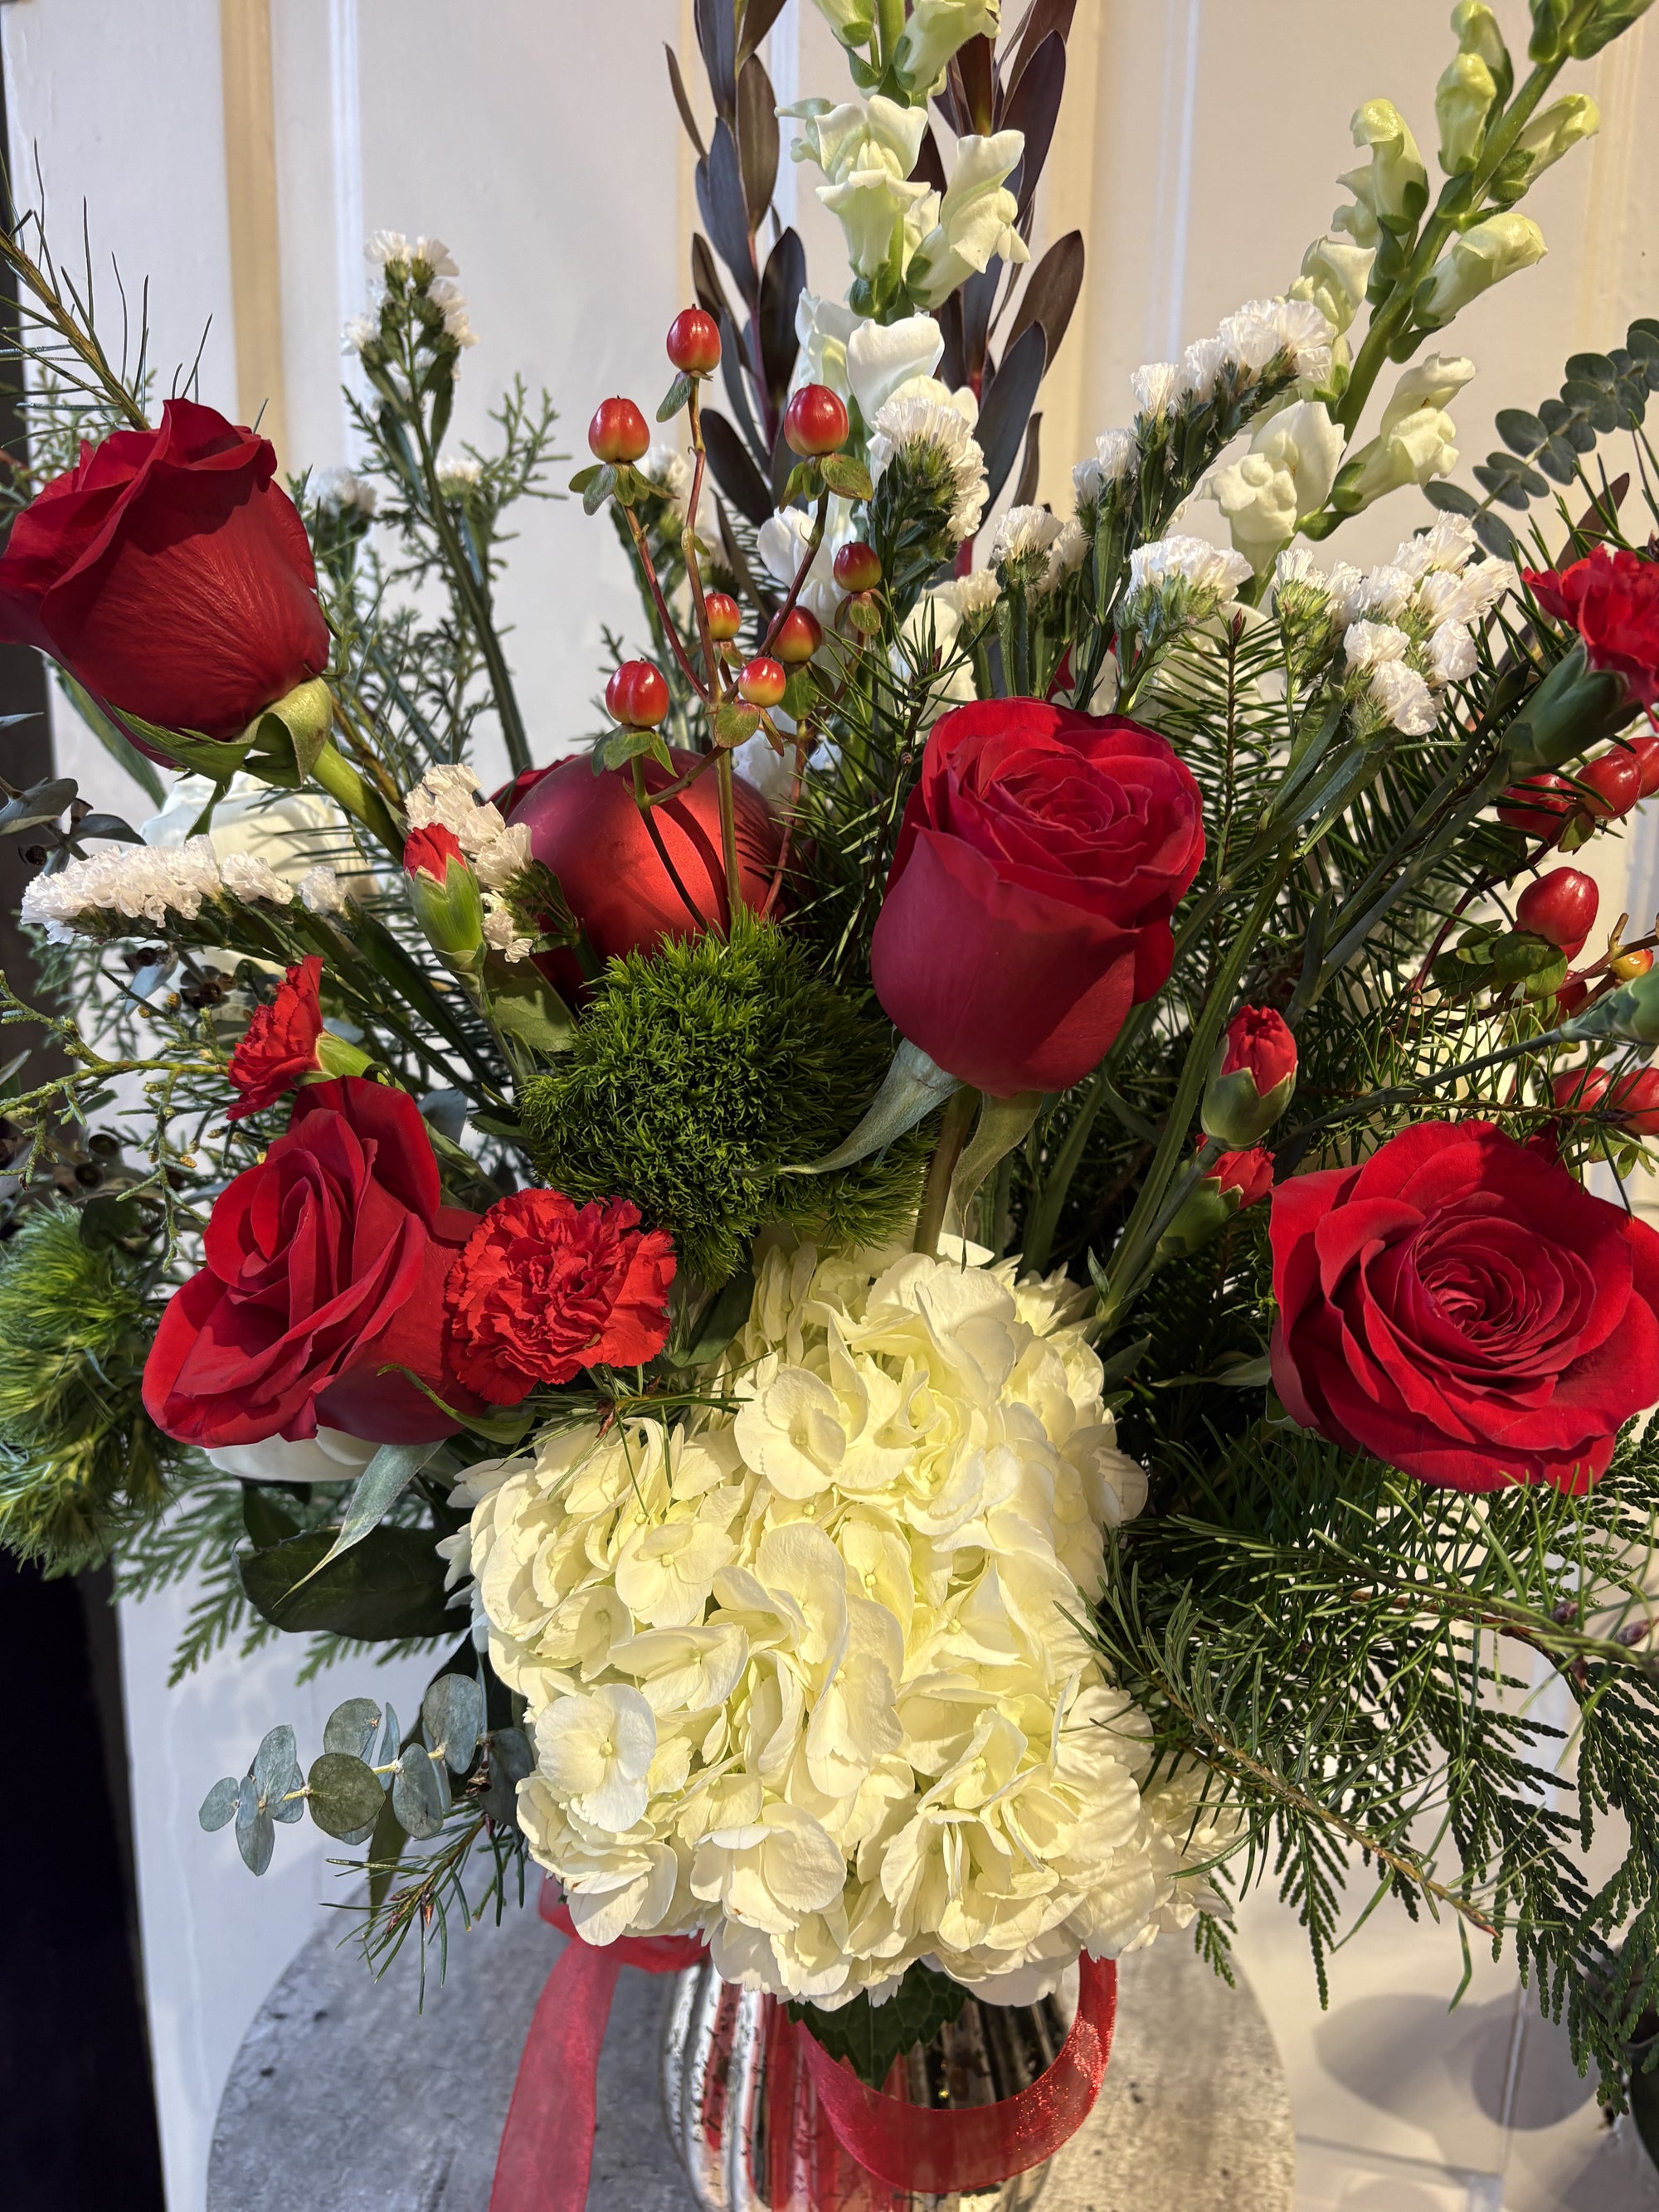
(545, 1288)
(1028, 907)
(169, 574)
(1611, 597)
(587, 829)
(1252, 1078)
(1460, 1307)
(280, 1045)
(325, 1263)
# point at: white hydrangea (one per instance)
(807, 1675)
(140, 882)
(904, 423)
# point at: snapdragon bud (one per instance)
(1393, 189)
(1463, 99)
(1252, 1079)
(935, 30)
(1481, 258)
(1544, 140)
(853, 22)
(1477, 32)
(1555, 35)
(444, 892)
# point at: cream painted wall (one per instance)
(1198, 152)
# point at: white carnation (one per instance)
(805, 1674)
(1402, 697)
(904, 424)
(1157, 386)
(1369, 643)
(1451, 654)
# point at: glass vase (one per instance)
(748, 2128)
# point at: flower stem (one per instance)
(729, 835)
(641, 800)
(350, 787)
(936, 1192)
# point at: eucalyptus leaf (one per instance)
(391, 1736)
(107, 825)
(274, 1761)
(445, 1110)
(511, 1759)
(420, 1795)
(219, 1804)
(452, 1717)
(352, 1728)
(256, 1833)
(345, 1794)
(390, 1585)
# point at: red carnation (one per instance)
(545, 1288)
(324, 1276)
(1461, 1307)
(1041, 856)
(1249, 1173)
(1252, 1079)
(428, 852)
(280, 1046)
(170, 574)
(1611, 597)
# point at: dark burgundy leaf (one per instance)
(1033, 108)
(1046, 16)
(1005, 406)
(758, 138)
(946, 100)
(758, 18)
(953, 366)
(930, 162)
(1051, 291)
(717, 36)
(725, 212)
(975, 66)
(682, 102)
(1025, 491)
(780, 288)
(978, 295)
(758, 589)
(733, 356)
(706, 278)
(782, 461)
(734, 473)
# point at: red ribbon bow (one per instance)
(547, 2147)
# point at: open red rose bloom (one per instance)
(1461, 1307)
(1028, 906)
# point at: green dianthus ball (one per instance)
(701, 1073)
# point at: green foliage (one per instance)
(698, 1076)
(80, 1459)
(871, 2037)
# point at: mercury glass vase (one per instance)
(749, 2144)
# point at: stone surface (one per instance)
(349, 2094)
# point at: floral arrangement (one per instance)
(973, 1276)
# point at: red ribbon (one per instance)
(547, 2147)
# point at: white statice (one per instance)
(669, 470)
(1402, 696)
(1114, 460)
(782, 540)
(501, 932)
(321, 890)
(1284, 477)
(932, 644)
(459, 476)
(1020, 545)
(247, 877)
(935, 437)
(1201, 367)
(450, 298)
(1263, 331)
(291, 831)
(1451, 654)
(1068, 554)
(975, 220)
(389, 249)
(450, 796)
(1366, 644)
(1182, 580)
(807, 1673)
(136, 882)
(360, 333)
(1156, 387)
(342, 491)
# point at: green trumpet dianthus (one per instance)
(699, 1076)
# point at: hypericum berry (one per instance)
(618, 431)
(1576, 1090)
(1627, 966)
(857, 566)
(693, 342)
(815, 422)
(1644, 751)
(762, 682)
(725, 615)
(636, 696)
(798, 637)
(1539, 806)
(1633, 1101)
(1615, 779)
(1570, 996)
(1560, 907)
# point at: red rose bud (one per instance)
(693, 342)
(763, 682)
(1226, 1188)
(169, 574)
(1252, 1079)
(444, 892)
(857, 566)
(1609, 785)
(637, 694)
(1541, 806)
(1424, 1318)
(618, 432)
(1611, 597)
(1041, 855)
(816, 421)
(725, 615)
(544, 1289)
(1560, 907)
(798, 637)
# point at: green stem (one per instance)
(1126, 1257)
(351, 790)
(474, 592)
(729, 836)
(954, 1125)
